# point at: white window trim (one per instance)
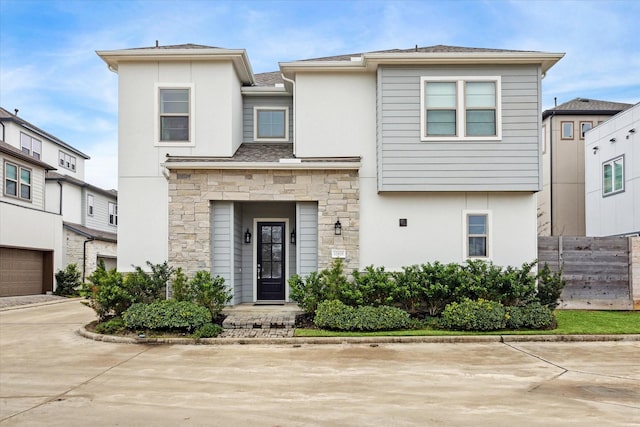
(72, 161)
(115, 214)
(256, 108)
(465, 234)
(613, 176)
(90, 205)
(460, 108)
(156, 132)
(18, 181)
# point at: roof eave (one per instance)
(209, 165)
(552, 112)
(239, 58)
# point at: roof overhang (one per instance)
(286, 164)
(239, 58)
(369, 62)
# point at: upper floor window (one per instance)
(567, 130)
(613, 176)
(17, 181)
(460, 108)
(584, 127)
(174, 114)
(271, 123)
(67, 161)
(30, 145)
(113, 214)
(90, 204)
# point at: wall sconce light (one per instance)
(595, 149)
(337, 228)
(247, 236)
(612, 140)
(293, 237)
(632, 130)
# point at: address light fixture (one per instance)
(247, 236)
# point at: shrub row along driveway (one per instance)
(51, 376)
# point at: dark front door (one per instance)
(270, 261)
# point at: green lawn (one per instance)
(570, 322)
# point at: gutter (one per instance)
(295, 109)
(207, 165)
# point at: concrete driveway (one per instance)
(51, 376)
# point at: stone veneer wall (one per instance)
(191, 192)
(74, 251)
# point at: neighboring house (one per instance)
(89, 213)
(30, 237)
(612, 176)
(388, 158)
(561, 202)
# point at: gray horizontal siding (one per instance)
(405, 163)
(221, 236)
(249, 102)
(307, 237)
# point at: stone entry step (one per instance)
(259, 321)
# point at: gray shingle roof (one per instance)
(19, 154)
(91, 232)
(269, 79)
(54, 176)
(587, 106)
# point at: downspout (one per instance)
(84, 257)
(294, 112)
(60, 208)
(2, 123)
(551, 169)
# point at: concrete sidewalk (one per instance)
(49, 375)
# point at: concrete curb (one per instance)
(38, 304)
(449, 339)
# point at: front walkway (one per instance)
(259, 321)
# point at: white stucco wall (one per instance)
(615, 214)
(32, 229)
(435, 226)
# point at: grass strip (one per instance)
(570, 322)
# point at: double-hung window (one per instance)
(459, 108)
(113, 214)
(17, 181)
(476, 244)
(174, 114)
(90, 204)
(613, 176)
(67, 161)
(30, 145)
(584, 127)
(271, 123)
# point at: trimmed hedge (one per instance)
(531, 316)
(166, 315)
(474, 315)
(335, 315)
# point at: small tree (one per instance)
(106, 292)
(204, 290)
(550, 285)
(68, 281)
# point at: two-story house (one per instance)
(89, 213)
(388, 158)
(612, 176)
(561, 204)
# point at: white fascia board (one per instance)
(261, 165)
(238, 56)
(265, 91)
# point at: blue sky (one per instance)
(50, 72)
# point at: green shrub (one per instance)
(148, 287)
(335, 315)
(209, 292)
(531, 316)
(550, 285)
(470, 315)
(375, 287)
(180, 289)
(106, 293)
(208, 330)
(111, 326)
(166, 315)
(68, 281)
(329, 284)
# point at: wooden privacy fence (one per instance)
(599, 271)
